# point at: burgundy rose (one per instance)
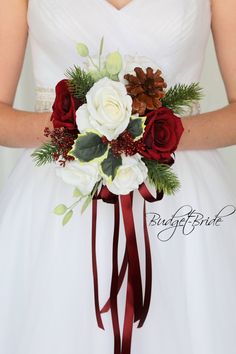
(161, 135)
(64, 107)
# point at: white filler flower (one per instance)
(82, 176)
(108, 109)
(129, 176)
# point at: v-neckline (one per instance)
(119, 9)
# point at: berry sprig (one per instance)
(125, 144)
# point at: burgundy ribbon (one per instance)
(94, 264)
(114, 282)
(132, 253)
(137, 305)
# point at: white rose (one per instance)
(129, 176)
(108, 109)
(82, 119)
(82, 176)
(131, 62)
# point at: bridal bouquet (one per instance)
(114, 126)
(115, 130)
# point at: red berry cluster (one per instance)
(125, 144)
(140, 146)
(63, 139)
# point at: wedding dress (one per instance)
(46, 288)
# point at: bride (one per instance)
(46, 296)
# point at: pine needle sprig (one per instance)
(80, 82)
(162, 177)
(61, 142)
(181, 96)
(44, 154)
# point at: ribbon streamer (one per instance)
(137, 305)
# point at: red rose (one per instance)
(64, 107)
(161, 135)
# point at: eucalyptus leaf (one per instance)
(67, 217)
(86, 203)
(77, 193)
(60, 209)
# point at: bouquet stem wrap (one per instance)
(137, 303)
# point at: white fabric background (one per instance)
(211, 82)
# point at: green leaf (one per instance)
(86, 203)
(101, 46)
(77, 193)
(60, 209)
(111, 164)
(67, 217)
(162, 177)
(135, 127)
(88, 146)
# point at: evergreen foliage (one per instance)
(162, 177)
(80, 82)
(181, 95)
(44, 154)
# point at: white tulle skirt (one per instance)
(46, 287)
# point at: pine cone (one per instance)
(146, 90)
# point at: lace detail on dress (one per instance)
(44, 99)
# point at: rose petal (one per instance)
(82, 119)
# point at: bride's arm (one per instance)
(218, 128)
(17, 128)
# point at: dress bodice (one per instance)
(174, 36)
